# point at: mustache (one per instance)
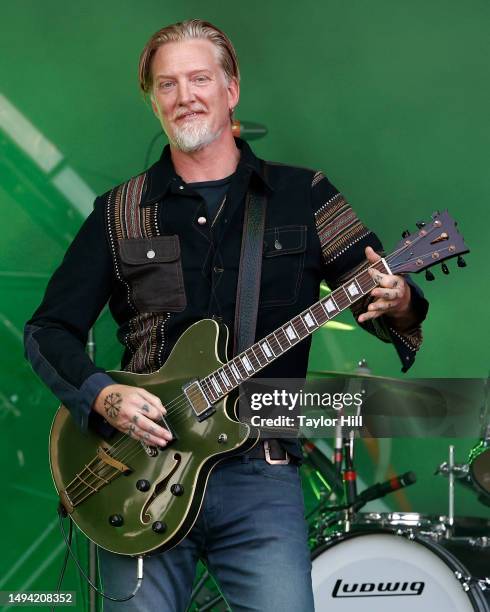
(188, 111)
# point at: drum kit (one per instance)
(382, 560)
(366, 561)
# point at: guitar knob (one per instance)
(405, 234)
(461, 262)
(444, 268)
(142, 485)
(429, 276)
(420, 224)
(159, 527)
(177, 490)
(116, 520)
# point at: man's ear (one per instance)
(233, 93)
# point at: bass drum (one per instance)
(367, 570)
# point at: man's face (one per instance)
(190, 93)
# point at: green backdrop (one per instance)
(389, 98)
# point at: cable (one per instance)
(65, 561)
(139, 573)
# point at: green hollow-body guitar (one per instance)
(135, 499)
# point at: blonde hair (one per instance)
(188, 30)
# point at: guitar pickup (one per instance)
(197, 399)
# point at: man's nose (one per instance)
(185, 92)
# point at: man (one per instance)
(164, 249)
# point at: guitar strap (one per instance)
(248, 287)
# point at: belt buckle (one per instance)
(271, 461)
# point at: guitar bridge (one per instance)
(197, 399)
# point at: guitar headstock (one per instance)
(433, 243)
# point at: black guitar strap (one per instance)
(248, 288)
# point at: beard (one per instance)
(193, 135)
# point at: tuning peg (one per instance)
(429, 276)
(436, 213)
(420, 224)
(405, 234)
(461, 262)
(444, 268)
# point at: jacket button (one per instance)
(202, 220)
(278, 245)
(150, 254)
(217, 270)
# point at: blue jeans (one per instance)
(251, 534)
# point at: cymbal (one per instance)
(334, 373)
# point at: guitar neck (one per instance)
(241, 368)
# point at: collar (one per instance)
(161, 177)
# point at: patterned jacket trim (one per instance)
(338, 229)
(126, 219)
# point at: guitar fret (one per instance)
(224, 378)
(252, 357)
(330, 306)
(303, 329)
(235, 371)
(309, 320)
(246, 364)
(346, 293)
(273, 341)
(261, 356)
(366, 283)
(207, 390)
(215, 385)
(291, 333)
(341, 298)
(353, 290)
(230, 374)
(241, 369)
(318, 313)
(267, 349)
(282, 339)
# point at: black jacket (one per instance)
(311, 234)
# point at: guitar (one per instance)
(134, 499)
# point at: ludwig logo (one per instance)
(376, 589)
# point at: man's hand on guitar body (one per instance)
(133, 411)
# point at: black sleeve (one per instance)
(343, 238)
(56, 335)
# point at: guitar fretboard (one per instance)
(245, 365)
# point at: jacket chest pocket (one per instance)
(153, 269)
(282, 265)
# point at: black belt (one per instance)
(272, 451)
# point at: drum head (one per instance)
(385, 572)
(480, 471)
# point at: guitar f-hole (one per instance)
(159, 488)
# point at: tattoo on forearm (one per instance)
(112, 405)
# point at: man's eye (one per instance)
(165, 85)
(201, 79)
